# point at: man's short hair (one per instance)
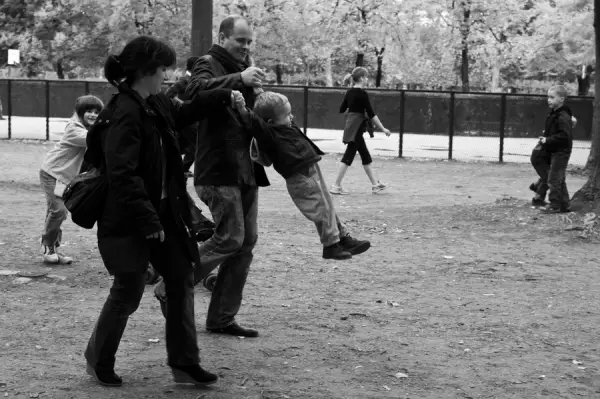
(190, 63)
(269, 105)
(228, 24)
(560, 90)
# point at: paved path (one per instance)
(414, 145)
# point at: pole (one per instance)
(9, 109)
(451, 131)
(47, 110)
(502, 127)
(401, 138)
(305, 109)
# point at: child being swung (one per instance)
(296, 158)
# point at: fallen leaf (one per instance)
(387, 388)
(448, 257)
(400, 375)
(154, 340)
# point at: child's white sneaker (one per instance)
(338, 190)
(380, 186)
(50, 255)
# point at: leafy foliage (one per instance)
(427, 42)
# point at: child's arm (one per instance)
(75, 135)
(257, 127)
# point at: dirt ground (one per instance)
(467, 291)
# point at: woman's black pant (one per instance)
(170, 260)
(358, 145)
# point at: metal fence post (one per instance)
(451, 131)
(9, 109)
(502, 126)
(87, 87)
(401, 135)
(305, 109)
(47, 110)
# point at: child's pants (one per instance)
(56, 213)
(311, 195)
(540, 160)
(557, 180)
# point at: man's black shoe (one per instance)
(533, 187)
(353, 245)
(549, 210)
(193, 375)
(235, 329)
(105, 378)
(337, 252)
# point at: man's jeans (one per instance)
(311, 195)
(234, 210)
(558, 195)
(56, 213)
(540, 160)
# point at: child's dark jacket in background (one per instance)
(559, 131)
(286, 146)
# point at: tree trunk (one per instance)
(465, 30)
(379, 66)
(360, 59)
(202, 23)
(583, 81)
(328, 71)
(588, 197)
(60, 72)
(279, 73)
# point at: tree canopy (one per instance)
(477, 44)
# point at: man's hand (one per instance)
(387, 132)
(542, 140)
(160, 235)
(253, 77)
(238, 102)
(573, 121)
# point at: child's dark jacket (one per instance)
(286, 146)
(559, 130)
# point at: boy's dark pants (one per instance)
(170, 259)
(540, 160)
(557, 176)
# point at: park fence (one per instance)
(432, 124)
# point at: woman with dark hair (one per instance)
(62, 163)
(146, 216)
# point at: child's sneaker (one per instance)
(50, 255)
(353, 245)
(336, 251)
(64, 260)
(379, 187)
(338, 190)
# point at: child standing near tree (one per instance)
(551, 156)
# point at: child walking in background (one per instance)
(62, 163)
(360, 116)
(551, 156)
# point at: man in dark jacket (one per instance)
(225, 177)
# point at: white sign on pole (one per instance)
(13, 57)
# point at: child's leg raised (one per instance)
(311, 198)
